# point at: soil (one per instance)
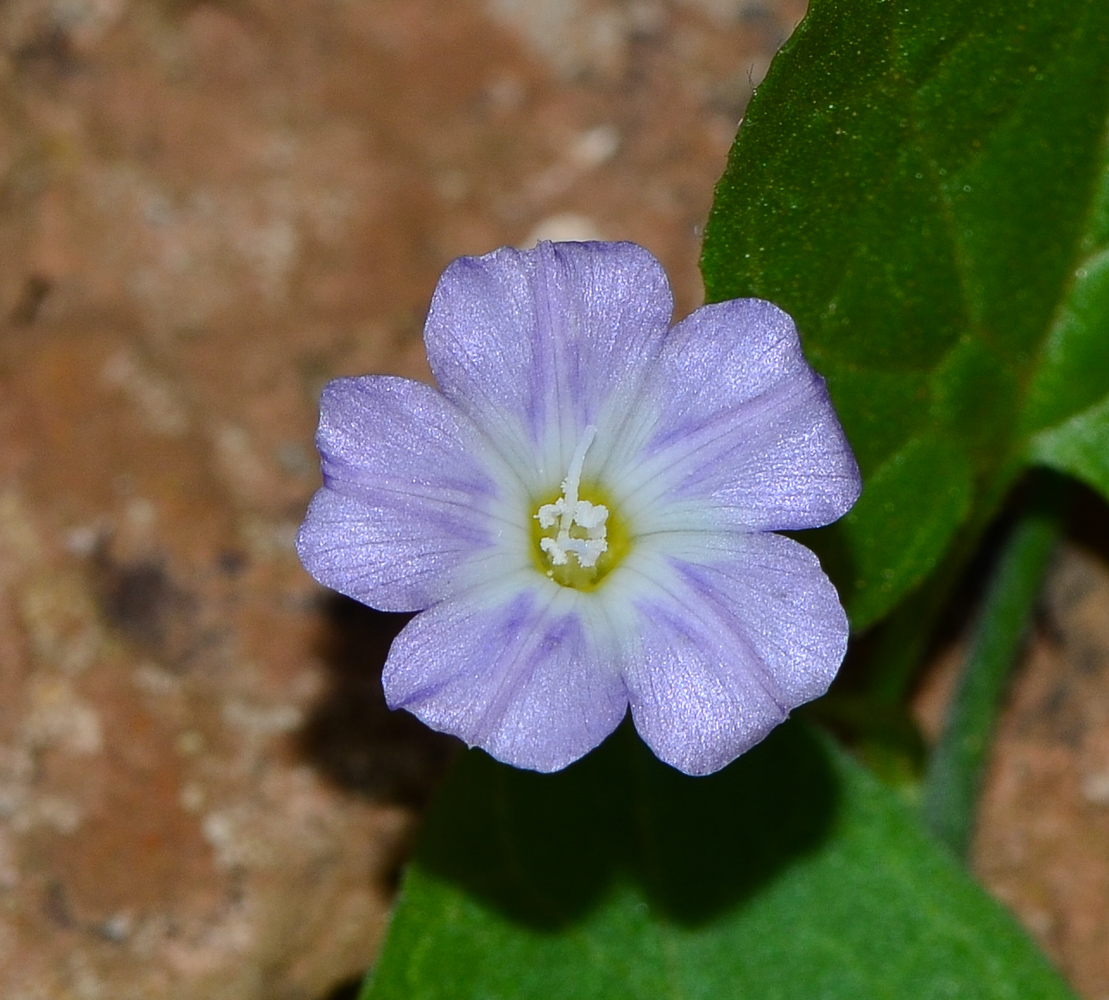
(206, 211)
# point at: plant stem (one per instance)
(954, 771)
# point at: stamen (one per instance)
(569, 512)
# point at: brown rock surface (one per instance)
(1043, 837)
(207, 210)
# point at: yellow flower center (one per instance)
(578, 537)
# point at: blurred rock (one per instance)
(1043, 833)
(564, 226)
(163, 831)
(207, 209)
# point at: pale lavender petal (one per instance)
(736, 632)
(514, 668)
(406, 500)
(743, 422)
(536, 342)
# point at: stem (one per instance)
(955, 769)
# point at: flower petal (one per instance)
(408, 498)
(533, 344)
(515, 667)
(736, 631)
(740, 420)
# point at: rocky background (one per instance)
(207, 209)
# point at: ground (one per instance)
(206, 210)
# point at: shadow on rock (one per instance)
(351, 736)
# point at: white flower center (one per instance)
(581, 524)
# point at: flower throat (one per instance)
(578, 541)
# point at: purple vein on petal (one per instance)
(709, 627)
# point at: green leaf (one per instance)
(1068, 406)
(1079, 447)
(790, 874)
(896, 532)
(923, 186)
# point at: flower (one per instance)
(583, 512)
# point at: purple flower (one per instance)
(582, 512)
